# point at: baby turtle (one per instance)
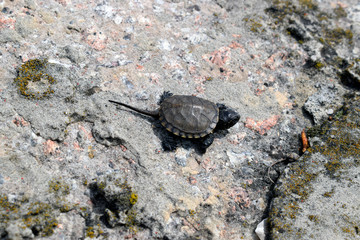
(190, 116)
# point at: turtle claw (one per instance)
(165, 95)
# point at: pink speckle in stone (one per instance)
(239, 195)
(64, 2)
(51, 147)
(87, 133)
(235, 45)
(262, 126)
(96, 39)
(219, 57)
(7, 23)
(275, 61)
(19, 121)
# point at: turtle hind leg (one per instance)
(169, 143)
(165, 95)
(205, 143)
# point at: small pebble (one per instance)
(181, 157)
(192, 180)
(261, 229)
(127, 82)
(5, 10)
(330, 111)
(127, 37)
(331, 86)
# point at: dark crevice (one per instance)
(349, 80)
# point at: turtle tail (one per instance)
(146, 112)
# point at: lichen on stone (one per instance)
(336, 151)
(33, 218)
(114, 198)
(32, 80)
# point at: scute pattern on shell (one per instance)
(189, 116)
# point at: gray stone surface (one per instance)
(317, 197)
(72, 165)
(321, 104)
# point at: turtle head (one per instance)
(228, 117)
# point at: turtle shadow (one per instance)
(170, 142)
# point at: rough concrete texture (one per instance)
(74, 166)
(317, 197)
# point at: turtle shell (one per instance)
(188, 116)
